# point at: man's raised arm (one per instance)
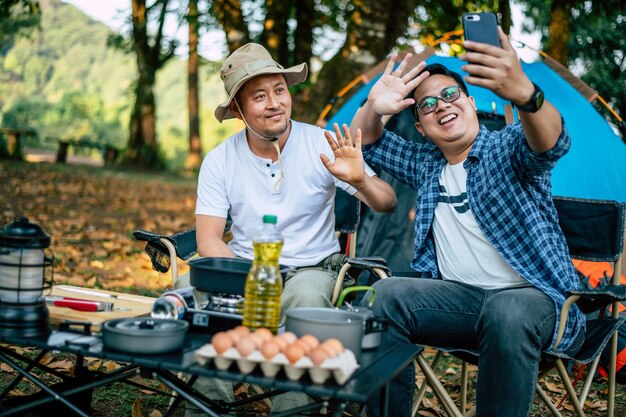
(388, 96)
(499, 70)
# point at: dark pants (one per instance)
(509, 328)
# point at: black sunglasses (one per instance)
(429, 104)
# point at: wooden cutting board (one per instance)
(128, 305)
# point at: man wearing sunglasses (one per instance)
(485, 225)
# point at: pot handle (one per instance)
(354, 289)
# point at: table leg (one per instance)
(384, 400)
(182, 390)
(42, 386)
(17, 379)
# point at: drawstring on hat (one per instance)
(279, 183)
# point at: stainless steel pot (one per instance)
(144, 335)
(325, 323)
(372, 326)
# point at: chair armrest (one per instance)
(375, 264)
(591, 300)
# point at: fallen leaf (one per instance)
(6, 368)
(136, 409)
(96, 264)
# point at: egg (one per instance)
(242, 330)
(305, 346)
(289, 337)
(282, 343)
(318, 355)
(294, 352)
(236, 336)
(258, 339)
(264, 334)
(334, 344)
(310, 340)
(329, 350)
(245, 346)
(270, 349)
(221, 342)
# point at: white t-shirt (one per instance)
(233, 179)
(463, 252)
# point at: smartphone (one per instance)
(481, 27)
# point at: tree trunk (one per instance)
(230, 16)
(505, 11)
(559, 30)
(142, 146)
(372, 32)
(274, 36)
(303, 38)
(195, 147)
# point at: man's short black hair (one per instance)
(438, 69)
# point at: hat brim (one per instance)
(293, 75)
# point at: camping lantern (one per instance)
(25, 271)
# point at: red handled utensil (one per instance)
(78, 304)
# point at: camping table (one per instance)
(377, 368)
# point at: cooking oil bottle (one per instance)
(264, 284)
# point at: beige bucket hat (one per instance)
(247, 62)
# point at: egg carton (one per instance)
(341, 367)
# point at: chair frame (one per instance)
(577, 400)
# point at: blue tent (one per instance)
(595, 166)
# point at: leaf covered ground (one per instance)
(91, 213)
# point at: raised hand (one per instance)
(348, 165)
(498, 69)
(387, 95)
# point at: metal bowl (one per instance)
(144, 335)
(326, 323)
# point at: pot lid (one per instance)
(21, 233)
(146, 326)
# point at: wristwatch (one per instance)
(535, 102)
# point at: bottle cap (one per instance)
(270, 218)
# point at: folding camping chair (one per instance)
(164, 249)
(594, 230)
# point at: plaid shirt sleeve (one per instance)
(395, 155)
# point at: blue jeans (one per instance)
(509, 328)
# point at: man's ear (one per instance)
(473, 102)
(418, 126)
(234, 109)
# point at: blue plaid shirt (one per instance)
(509, 192)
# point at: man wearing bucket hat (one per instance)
(280, 166)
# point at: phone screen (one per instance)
(481, 27)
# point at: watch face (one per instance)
(536, 101)
(539, 97)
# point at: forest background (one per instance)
(67, 78)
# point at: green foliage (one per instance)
(596, 44)
(67, 83)
(17, 17)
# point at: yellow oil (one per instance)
(264, 286)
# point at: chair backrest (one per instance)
(347, 218)
(347, 212)
(594, 229)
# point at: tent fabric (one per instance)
(595, 166)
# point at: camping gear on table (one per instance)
(264, 284)
(78, 304)
(25, 271)
(326, 323)
(144, 335)
(372, 326)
